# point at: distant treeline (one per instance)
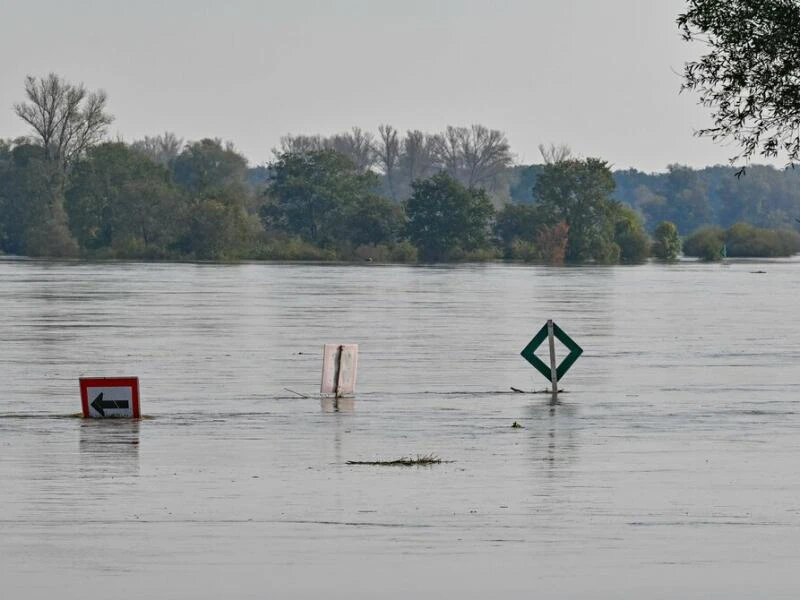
(454, 195)
(763, 196)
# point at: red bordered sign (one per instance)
(104, 397)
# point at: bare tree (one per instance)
(418, 160)
(387, 152)
(66, 118)
(555, 153)
(485, 156)
(300, 144)
(162, 149)
(447, 148)
(356, 144)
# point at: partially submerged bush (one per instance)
(667, 242)
(523, 250)
(706, 243)
(292, 249)
(401, 252)
(742, 240)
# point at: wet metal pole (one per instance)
(553, 370)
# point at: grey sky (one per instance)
(600, 75)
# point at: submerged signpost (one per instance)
(339, 366)
(104, 397)
(553, 373)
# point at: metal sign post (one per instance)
(553, 371)
(550, 331)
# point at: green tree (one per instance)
(630, 236)
(516, 228)
(32, 205)
(742, 239)
(116, 192)
(518, 222)
(209, 166)
(706, 243)
(688, 203)
(578, 192)
(324, 197)
(149, 219)
(219, 228)
(522, 179)
(66, 120)
(667, 244)
(374, 220)
(749, 76)
(220, 223)
(446, 219)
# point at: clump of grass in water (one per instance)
(405, 461)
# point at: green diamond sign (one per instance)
(574, 352)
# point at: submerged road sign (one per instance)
(339, 366)
(104, 397)
(550, 330)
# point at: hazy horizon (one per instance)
(600, 77)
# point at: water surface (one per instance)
(668, 469)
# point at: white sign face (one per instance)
(110, 401)
(339, 366)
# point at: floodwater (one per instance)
(669, 469)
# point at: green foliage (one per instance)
(745, 240)
(207, 166)
(667, 242)
(447, 220)
(706, 243)
(765, 196)
(689, 200)
(401, 252)
(121, 199)
(51, 237)
(483, 254)
(750, 71)
(320, 200)
(372, 220)
(32, 205)
(323, 197)
(523, 178)
(292, 249)
(578, 192)
(629, 236)
(522, 250)
(517, 225)
(150, 217)
(219, 228)
(742, 240)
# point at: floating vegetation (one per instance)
(406, 461)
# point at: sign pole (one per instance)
(553, 369)
(550, 331)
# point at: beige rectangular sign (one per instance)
(339, 366)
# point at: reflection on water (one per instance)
(330, 404)
(553, 434)
(109, 448)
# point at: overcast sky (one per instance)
(599, 75)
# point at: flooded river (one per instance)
(669, 469)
